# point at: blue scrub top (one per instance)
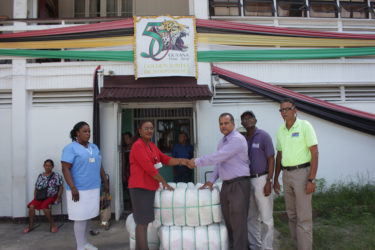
(85, 172)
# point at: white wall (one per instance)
(6, 162)
(344, 154)
(49, 133)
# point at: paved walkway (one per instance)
(116, 238)
(12, 237)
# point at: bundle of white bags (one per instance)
(213, 237)
(152, 234)
(186, 218)
(187, 205)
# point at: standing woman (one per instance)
(145, 159)
(83, 172)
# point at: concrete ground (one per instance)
(12, 237)
(116, 238)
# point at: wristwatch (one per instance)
(312, 180)
(269, 179)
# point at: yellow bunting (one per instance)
(77, 43)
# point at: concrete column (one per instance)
(19, 123)
(19, 8)
(19, 139)
(200, 8)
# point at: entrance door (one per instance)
(168, 123)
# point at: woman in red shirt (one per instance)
(145, 159)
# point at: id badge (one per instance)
(158, 165)
(92, 160)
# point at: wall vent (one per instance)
(360, 93)
(5, 99)
(230, 93)
(325, 93)
(61, 97)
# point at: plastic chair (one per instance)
(60, 220)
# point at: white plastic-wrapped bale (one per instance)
(187, 205)
(152, 234)
(211, 237)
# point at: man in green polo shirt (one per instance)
(297, 156)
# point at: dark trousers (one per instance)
(234, 199)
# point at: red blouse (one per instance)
(142, 169)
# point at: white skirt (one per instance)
(87, 207)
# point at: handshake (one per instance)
(189, 163)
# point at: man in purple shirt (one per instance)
(261, 155)
(232, 167)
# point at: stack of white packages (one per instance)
(152, 234)
(190, 218)
(187, 205)
(212, 237)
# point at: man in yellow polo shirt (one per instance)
(297, 156)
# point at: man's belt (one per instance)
(236, 179)
(258, 175)
(291, 168)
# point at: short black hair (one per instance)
(288, 100)
(227, 114)
(183, 133)
(50, 161)
(247, 112)
(127, 133)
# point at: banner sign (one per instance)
(165, 46)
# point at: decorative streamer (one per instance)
(203, 56)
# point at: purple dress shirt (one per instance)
(260, 147)
(231, 158)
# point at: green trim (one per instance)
(203, 56)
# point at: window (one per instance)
(354, 9)
(225, 8)
(293, 8)
(105, 8)
(323, 8)
(259, 8)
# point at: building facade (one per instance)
(41, 99)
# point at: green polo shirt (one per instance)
(295, 143)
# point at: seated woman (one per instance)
(54, 184)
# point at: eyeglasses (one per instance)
(286, 109)
(148, 129)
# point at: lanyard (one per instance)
(152, 153)
(89, 149)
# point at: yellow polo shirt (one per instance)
(295, 143)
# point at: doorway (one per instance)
(168, 124)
